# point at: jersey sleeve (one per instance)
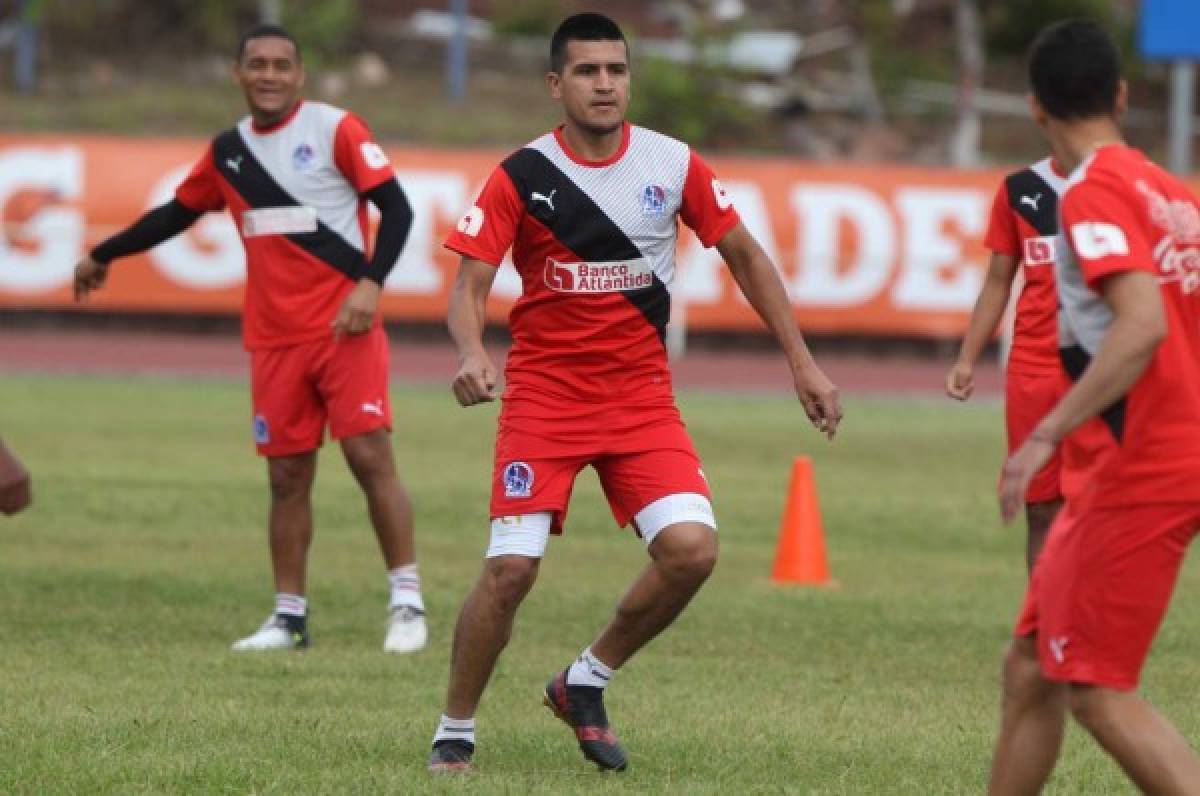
(358, 157)
(488, 229)
(201, 189)
(706, 208)
(1002, 235)
(1105, 231)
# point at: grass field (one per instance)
(145, 556)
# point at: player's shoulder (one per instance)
(659, 143)
(1113, 168)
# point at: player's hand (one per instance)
(89, 276)
(16, 491)
(475, 382)
(821, 399)
(1020, 469)
(357, 313)
(960, 381)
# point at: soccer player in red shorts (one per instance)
(1130, 434)
(590, 212)
(296, 176)
(1021, 234)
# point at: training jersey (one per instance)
(1120, 212)
(1024, 225)
(594, 244)
(295, 193)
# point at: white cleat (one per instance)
(406, 630)
(273, 635)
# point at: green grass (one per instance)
(144, 557)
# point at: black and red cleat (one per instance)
(581, 707)
(451, 757)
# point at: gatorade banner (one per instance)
(874, 250)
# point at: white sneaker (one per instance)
(406, 630)
(273, 635)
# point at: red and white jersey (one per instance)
(594, 244)
(1120, 212)
(295, 193)
(1024, 225)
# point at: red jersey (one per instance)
(295, 193)
(1024, 225)
(1120, 212)
(594, 244)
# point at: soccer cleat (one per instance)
(406, 630)
(275, 634)
(451, 757)
(581, 707)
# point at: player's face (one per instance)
(271, 76)
(594, 85)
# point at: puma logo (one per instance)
(549, 200)
(234, 164)
(1032, 201)
(1058, 648)
(373, 408)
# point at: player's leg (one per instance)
(1039, 517)
(665, 495)
(1028, 398)
(529, 499)
(354, 385)
(289, 423)
(1032, 716)
(1146, 745)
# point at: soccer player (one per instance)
(590, 212)
(296, 177)
(1130, 434)
(1021, 236)
(16, 488)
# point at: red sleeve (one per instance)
(1105, 230)
(358, 157)
(489, 228)
(706, 208)
(1002, 236)
(201, 189)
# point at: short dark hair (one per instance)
(1075, 70)
(588, 26)
(265, 31)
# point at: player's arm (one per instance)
(16, 491)
(989, 307)
(1139, 324)
(160, 224)
(760, 283)
(357, 313)
(475, 381)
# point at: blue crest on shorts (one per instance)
(262, 434)
(518, 480)
(654, 200)
(302, 157)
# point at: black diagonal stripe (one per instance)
(258, 188)
(580, 225)
(1075, 360)
(1033, 199)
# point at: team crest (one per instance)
(654, 200)
(302, 157)
(262, 434)
(518, 480)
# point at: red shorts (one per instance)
(297, 389)
(522, 484)
(1028, 397)
(1101, 587)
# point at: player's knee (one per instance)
(1092, 706)
(368, 460)
(290, 478)
(508, 578)
(1023, 677)
(691, 554)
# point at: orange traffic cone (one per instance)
(800, 557)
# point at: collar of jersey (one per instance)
(279, 124)
(594, 164)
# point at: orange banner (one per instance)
(861, 249)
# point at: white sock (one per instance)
(449, 729)
(589, 670)
(405, 586)
(291, 604)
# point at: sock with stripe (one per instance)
(405, 585)
(589, 670)
(293, 610)
(449, 729)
